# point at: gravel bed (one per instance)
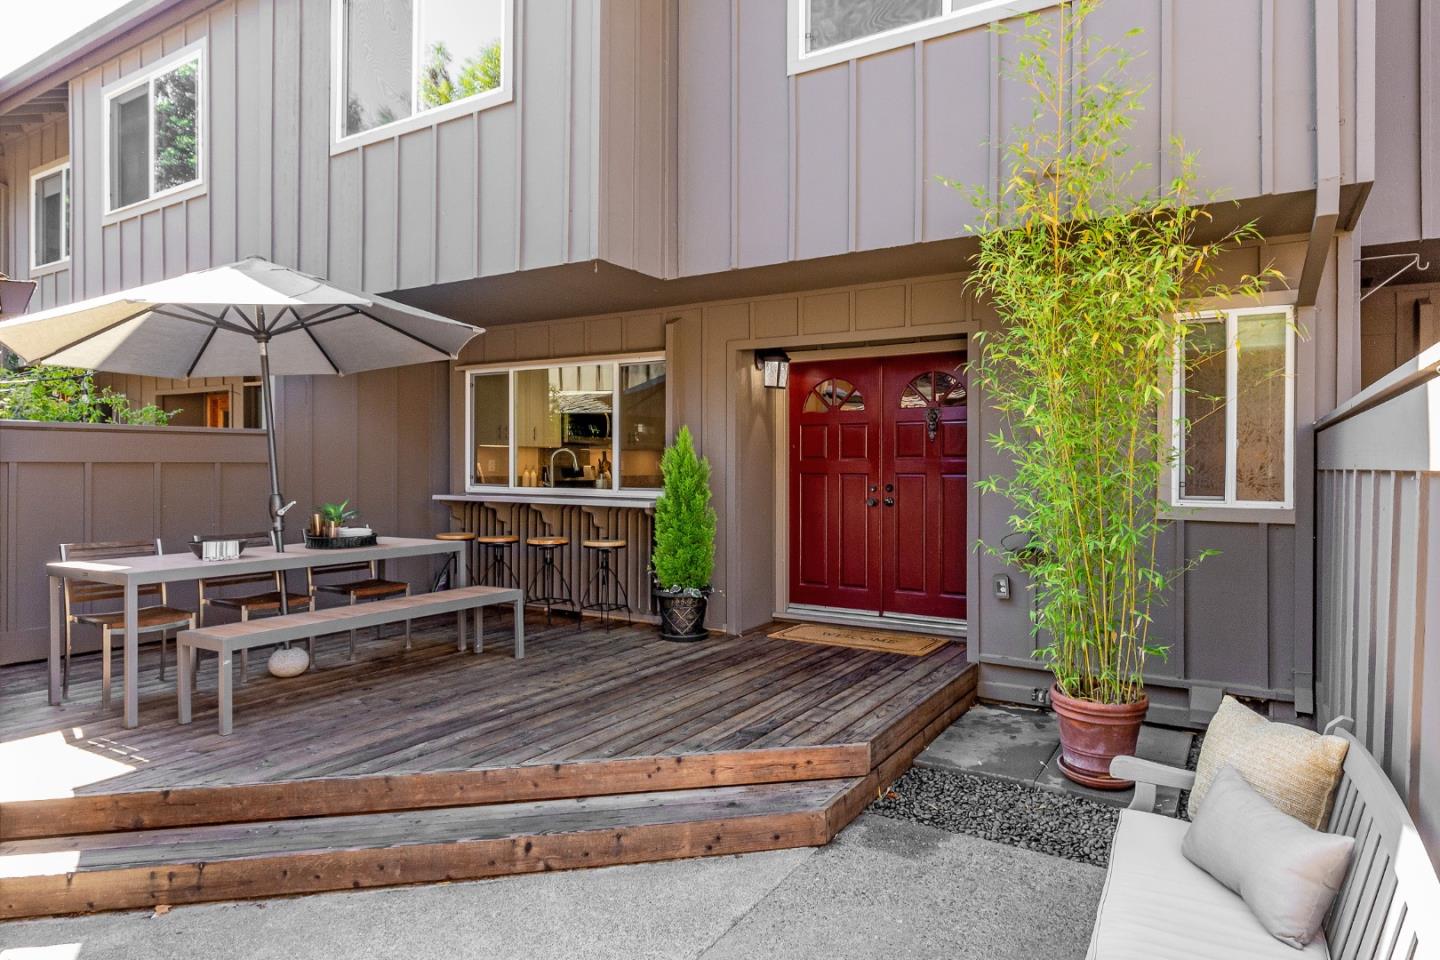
(1004, 811)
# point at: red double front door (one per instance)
(878, 484)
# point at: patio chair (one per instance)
(266, 601)
(153, 618)
(370, 587)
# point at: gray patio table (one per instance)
(133, 572)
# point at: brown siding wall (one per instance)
(1396, 323)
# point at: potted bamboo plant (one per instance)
(1095, 280)
(684, 555)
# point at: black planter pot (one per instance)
(682, 616)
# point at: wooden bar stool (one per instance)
(497, 571)
(443, 577)
(546, 574)
(605, 592)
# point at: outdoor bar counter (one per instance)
(579, 516)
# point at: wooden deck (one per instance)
(405, 767)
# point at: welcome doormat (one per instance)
(882, 641)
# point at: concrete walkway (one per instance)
(883, 888)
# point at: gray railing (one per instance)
(1378, 579)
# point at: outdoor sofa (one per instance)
(1157, 904)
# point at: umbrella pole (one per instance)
(277, 511)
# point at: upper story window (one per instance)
(153, 128)
(1235, 402)
(397, 62)
(824, 32)
(589, 426)
(50, 215)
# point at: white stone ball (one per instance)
(289, 663)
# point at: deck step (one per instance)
(341, 796)
(144, 868)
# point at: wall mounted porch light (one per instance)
(776, 367)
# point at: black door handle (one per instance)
(889, 501)
(872, 502)
(889, 488)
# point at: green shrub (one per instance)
(68, 395)
(684, 555)
(1095, 279)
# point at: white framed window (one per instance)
(401, 64)
(592, 426)
(154, 131)
(50, 216)
(825, 32)
(1234, 402)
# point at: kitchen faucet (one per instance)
(574, 462)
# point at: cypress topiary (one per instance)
(684, 555)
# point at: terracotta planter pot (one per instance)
(1092, 734)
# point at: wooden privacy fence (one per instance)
(1378, 579)
(64, 482)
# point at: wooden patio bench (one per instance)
(227, 638)
(1157, 903)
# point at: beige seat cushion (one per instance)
(1297, 770)
(1159, 906)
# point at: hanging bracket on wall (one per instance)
(1412, 262)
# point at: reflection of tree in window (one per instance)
(403, 56)
(1260, 386)
(934, 389)
(1203, 411)
(176, 130)
(833, 22)
(477, 74)
(834, 394)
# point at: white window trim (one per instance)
(196, 52)
(510, 486)
(418, 119)
(38, 269)
(1231, 502)
(958, 15)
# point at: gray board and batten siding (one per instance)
(777, 167)
(670, 139)
(1405, 203)
(20, 155)
(1378, 577)
(508, 188)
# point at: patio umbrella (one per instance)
(247, 318)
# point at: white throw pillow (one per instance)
(1295, 769)
(1287, 874)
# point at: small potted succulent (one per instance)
(333, 516)
(684, 556)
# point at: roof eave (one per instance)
(78, 52)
